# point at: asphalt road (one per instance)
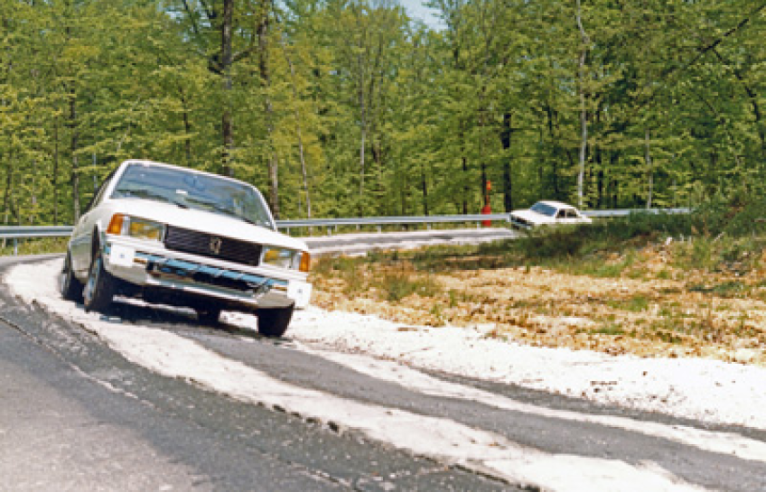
(351, 244)
(75, 415)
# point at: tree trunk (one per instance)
(32, 196)
(298, 132)
(263, 67)
(304, 167)
(75, 176)
(187, 129)
(583, 107)
(424, 190)
(363, 138)
(505, 138)
(55, 177)
(8, 185)
(466, 190)
(227, 127)
(650, 170)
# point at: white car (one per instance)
(182, 237)
(546, 213)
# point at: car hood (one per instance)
(209, 222)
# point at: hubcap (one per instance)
(95, 271)
(64, 279)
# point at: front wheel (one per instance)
(273, 322)
(100, 286)
(208, 315)
(69, 286)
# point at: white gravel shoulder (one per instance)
(706, 390)
(699, 389)
(442, 439)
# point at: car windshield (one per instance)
(544, 209)
(188, 189)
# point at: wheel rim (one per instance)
(64, 279)
(93, 276)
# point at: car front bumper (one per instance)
(250, 288)
(521, 222)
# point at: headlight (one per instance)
(126, 225)
(286, 258)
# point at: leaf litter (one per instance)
(652, 307)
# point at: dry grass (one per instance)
(646, 302)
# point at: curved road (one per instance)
(77, 415)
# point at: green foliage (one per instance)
(634, 304)
(395, 282)
(608, 248)
(349, 108)
(400, 283)
(33, 246)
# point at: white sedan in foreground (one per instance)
(182, 237)
(546, 213)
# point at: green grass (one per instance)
(396, 279)
(730, 289)
(718, 237)
(611, 329)
(400, 284)
(635, 304)
(34, 246)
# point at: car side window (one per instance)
(99, 195)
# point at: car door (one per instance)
(568, 216)
(82, 235)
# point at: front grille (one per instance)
(212, 246)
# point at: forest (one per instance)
(346, 108)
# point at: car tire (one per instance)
(100, 287)
(273, 322)
(208, 315)
(69, 286)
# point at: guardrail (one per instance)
(379, 222)
(627, 211)
(30, 232)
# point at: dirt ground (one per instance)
(650, 308)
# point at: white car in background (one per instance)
(182, 237)
(548, 213)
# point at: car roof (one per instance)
(556, 204)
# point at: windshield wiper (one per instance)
(224, 211)
(216, 208)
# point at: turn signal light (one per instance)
(138, 228)
(115, 225)
(305, 262)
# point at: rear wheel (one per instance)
(100, 286)
(273, 322)
(69, 286)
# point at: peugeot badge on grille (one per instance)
(215, 245)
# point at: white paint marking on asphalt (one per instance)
(715, 442)
(174, 356)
